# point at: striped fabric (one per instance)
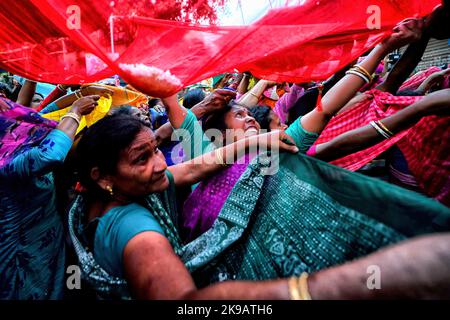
(378, 105)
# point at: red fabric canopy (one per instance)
(308, 42)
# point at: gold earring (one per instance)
(110, 190)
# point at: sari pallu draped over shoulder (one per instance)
(425, 145)
(308, 216)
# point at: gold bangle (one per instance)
(253, 94)
(384, 128)
(303, 287)
(218, 154)
(363, 70)
(61, 88)
(73, 116)
(358, 73)
(294, 293)
(78, 92)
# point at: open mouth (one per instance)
(251, 130)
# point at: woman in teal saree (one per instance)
(309, 217)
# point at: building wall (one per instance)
(436, 54)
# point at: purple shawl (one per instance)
(20, 129)
(204, 204)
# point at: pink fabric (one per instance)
(416, 80)
(426, 149)
(20, 129)
(287, 101)
(378, 105)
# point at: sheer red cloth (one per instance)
(69, 42)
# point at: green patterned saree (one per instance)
(308, 216)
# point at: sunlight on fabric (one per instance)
(245, 12)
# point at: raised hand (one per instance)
(276, 139)
(85, 105)
(217, 100)
(436, 24)
(405, 32)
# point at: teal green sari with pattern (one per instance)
(308, 216)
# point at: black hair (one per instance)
(217, 119)
(192, 97)
(123, 110)
(153, 102)
(4, 88)
(100, 146)
(262, 115)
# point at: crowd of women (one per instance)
(249, 191)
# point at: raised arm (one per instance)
(197, 169)
(437, 103)
(69, 99)
(415, 269)
(215, 101)
(348, 86)
(189, 130)
(55, 147)
(26, 93)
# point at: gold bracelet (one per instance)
(294, 293)
(253, 94)
(61, 88)
(384, 128)
(363, 70)
(303, 287)
(218, 154)
(78, 92)
(73, 116)
(358, 73)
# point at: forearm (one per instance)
(243, 290)
(66, 101)
(416, 269)
(251, 98)
(175, 111)
(365, 137)
(26, 93)
(348, 143)
(200, 168)
(341, 93)
(243, 85)
(58, 92)
(163, 133)
(405, 66)
(69, 126)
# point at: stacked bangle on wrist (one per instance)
(61, 88)
(361, 72)
(78, 94)
(218, 154)
(381, 129)
(73, 116)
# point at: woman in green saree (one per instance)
(306, 218)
